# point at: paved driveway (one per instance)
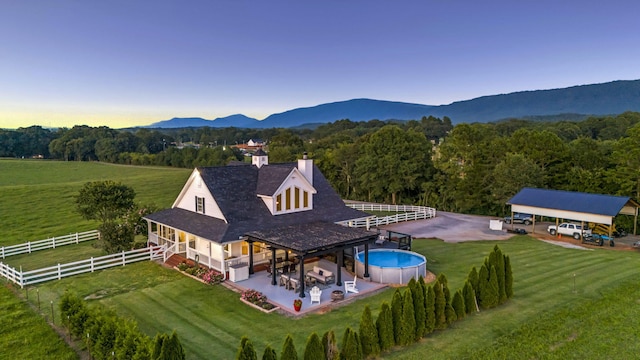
(451, 227)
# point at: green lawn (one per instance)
(37, 196)
(50, 257)
(25, 335)
(546, 312)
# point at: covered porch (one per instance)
(283, 298)
(304, 242)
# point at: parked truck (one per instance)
(569, 229)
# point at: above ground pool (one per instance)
(391, 266)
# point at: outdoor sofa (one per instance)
(321, 275)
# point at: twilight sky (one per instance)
(124, 63)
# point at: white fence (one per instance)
(52, 243)
(406, 213)
(60, 271)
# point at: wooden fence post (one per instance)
(123, 259)
(59, 273)
(92, 264)
(77, 238)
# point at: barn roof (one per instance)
(599, 204)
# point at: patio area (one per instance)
(283, 298)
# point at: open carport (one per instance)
(570, 205)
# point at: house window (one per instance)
(305, 199)
(200, 205)
(287, 198)
(296, 195)
(279, 202)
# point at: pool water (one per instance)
(391, 259)
(391, 266)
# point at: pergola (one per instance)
(310, 240)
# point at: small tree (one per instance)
(473, 279)
(269, 354)
(384, 325)
(469, 295)
(330, 345)
(430, 311)
(157, 345)
(368, 334)
(508, 277)
(417, 293)
(491, 295)
(440, 307)
(408, 324)
(483, 284)
(246, 350)
(313, 350)
(351, 349)
(105, 341)
(458, 305)
(288, 350)
(497, 259)
(104, 200)
(172, 348)
(396, 312)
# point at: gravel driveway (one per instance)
(451, 227)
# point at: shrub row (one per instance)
(108, 336)
(414, 313)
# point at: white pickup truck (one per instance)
(568, 229)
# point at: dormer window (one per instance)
(199, 205)
(292, 199)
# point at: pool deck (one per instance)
(283, 298)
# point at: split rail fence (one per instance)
(405, 213)
(60, 271)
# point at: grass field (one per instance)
(37, 196)
(547, 318)
(25, 334)
(568, 304)
(51, 257)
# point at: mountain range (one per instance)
(594, 99)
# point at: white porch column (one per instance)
(222, 261)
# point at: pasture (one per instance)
(37, 196)
(568, 303)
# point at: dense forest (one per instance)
(470, 168)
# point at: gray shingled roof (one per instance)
(570, 201)
(191, 222)
(313, 236)
(235, 190)
(270, 177)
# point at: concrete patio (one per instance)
(283, 298)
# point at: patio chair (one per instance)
(315, 293)
(292, 268)
(350, 286)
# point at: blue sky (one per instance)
(126, 63)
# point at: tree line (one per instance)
(470, 168)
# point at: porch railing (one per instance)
(170, 250)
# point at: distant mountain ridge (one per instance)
(594, 99)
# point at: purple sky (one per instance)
(126, 63)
